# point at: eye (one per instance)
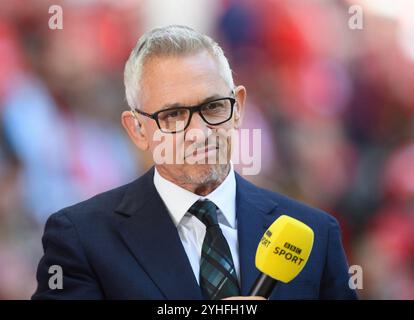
(172, 114)
(214, 106)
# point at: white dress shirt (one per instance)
(190, 229)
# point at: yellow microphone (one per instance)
(282, 254)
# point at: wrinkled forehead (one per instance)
(184, 80)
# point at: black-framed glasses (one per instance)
(177, 119)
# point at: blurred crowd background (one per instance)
(335, 106)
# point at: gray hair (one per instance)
(172, 40)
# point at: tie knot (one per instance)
(205, 211)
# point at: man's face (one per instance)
(185, 81)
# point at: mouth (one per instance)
(202, 152)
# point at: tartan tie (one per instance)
(218, 277)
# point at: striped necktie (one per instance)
(218, 277)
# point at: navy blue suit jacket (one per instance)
(122, 244)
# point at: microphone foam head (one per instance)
(284, 248)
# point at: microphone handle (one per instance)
(263, 286)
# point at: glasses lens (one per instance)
(173, 120)
(216, 112)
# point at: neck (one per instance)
(202, 186)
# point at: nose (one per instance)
(198, 127)
(197, 122)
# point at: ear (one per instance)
(135, 130)
(240, 95)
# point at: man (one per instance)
(189, 227)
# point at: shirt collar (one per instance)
(178, 200)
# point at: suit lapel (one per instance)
(254, 216)
(147, 229)
(152, 237)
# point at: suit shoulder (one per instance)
(288, 203)
(312, 216)
(98, 205)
